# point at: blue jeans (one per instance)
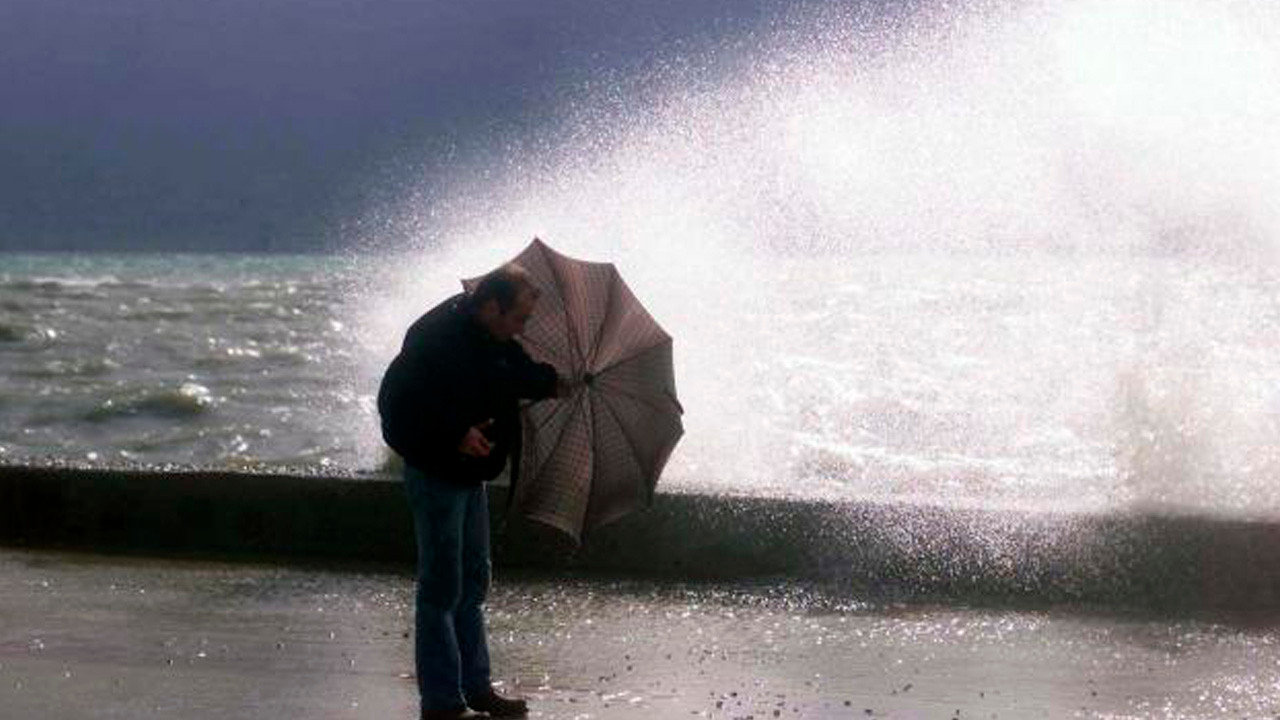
(451, 654)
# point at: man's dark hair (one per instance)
(503, 285)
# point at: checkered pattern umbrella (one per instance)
(592, 457)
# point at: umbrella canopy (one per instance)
(592, 457)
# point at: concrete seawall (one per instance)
(878, 551)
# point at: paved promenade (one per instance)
(85, 636)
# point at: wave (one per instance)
(33, 284)
(159, 314)
(19, 334)
(13, 333)
(118, 284)
(57, 284)
(187, 400)
(109, 283)
(92, 367)
(290, 356)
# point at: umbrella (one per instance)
(595, 456)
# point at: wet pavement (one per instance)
(84, 636)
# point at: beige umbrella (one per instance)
(592, 457)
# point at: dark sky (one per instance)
(266, 124)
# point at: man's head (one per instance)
(503, 301)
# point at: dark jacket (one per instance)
(450, 375)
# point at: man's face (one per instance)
(505, 326)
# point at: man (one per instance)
(449, 407)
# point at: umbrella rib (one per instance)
(633, 356)
(580, 407)
(670, 395)
(591, 498)
(626, 435)
(557, 409)
(608, 312)
(561, 286)
(645, 399)
(538, 345)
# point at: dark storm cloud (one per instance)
(242, 124)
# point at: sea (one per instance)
(989, 254)
(209, 360)
(1041, 381)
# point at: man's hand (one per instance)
(474, 443)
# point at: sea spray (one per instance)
(912, 259)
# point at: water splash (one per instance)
(920, 256)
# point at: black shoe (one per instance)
(497, 706)
(458, 713)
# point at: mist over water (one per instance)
(1006, 254)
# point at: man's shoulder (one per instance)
(439, 321)
(449, 308)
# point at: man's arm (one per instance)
(528, 379)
